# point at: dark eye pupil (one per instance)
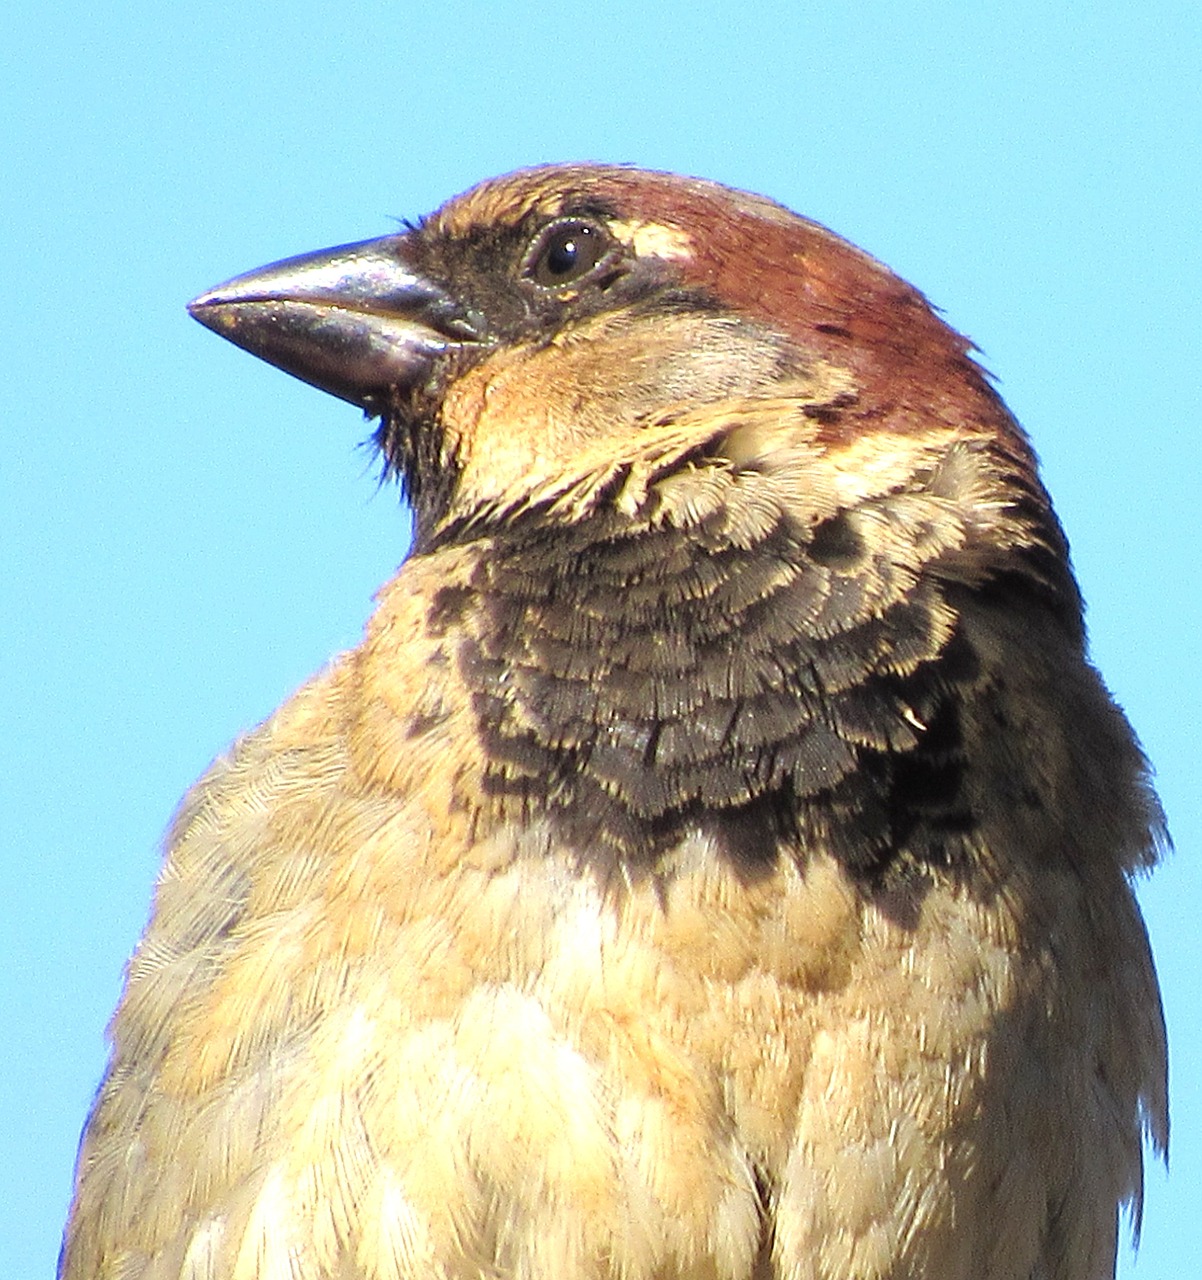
(563, 253)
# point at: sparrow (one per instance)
(714, 863)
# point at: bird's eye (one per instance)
(564, 252)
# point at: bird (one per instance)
(716, 860)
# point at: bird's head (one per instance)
(550, 326)
(741, 508)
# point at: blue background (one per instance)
(187, 533)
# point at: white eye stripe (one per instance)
(653, 239)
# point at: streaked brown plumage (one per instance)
(713, 863)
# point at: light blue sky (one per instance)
(187, 533)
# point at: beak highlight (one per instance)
(355, 320)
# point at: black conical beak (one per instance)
(356, 321)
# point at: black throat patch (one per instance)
(633, 684)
